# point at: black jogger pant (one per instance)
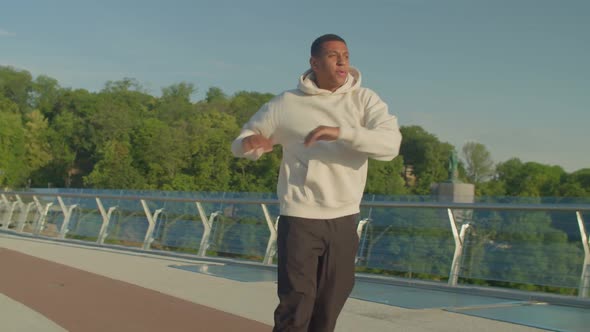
(316, 260)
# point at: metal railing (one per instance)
(543, 245)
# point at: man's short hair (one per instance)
(316, 46)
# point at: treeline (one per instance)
(125, 138)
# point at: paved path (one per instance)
(84, 288)
(16, 317)
(81, 301)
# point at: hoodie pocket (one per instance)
(292, 180)
(332, 185)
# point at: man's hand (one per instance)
(257, 142)
(322, 133)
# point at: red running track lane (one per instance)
(82, 301)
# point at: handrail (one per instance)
(374, 204)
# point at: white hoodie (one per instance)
(327, 179)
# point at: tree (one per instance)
(491, 188)
(427, 155)
(479, 165)
(244, 104)
(582, 177)
(45, 93)
(125, 85)
(16, 85)
(576, 184)
(160, 151)
(38, 151)
(182, 91)
(529, 179)
(72, 139)
(215, 100)
(175, 105)
(211, 160)
(116, 116)
(115, 169)
(385, 178)
(13, 169)
(215, 94)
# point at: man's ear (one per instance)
(313, 63)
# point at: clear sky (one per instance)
(513, 75)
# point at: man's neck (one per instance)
(324, 87)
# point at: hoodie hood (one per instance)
(308, 86)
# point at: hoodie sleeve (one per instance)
(379, 136)
(263, 123)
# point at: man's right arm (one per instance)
(255, 138)
(251, 145)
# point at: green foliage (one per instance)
(37, 149)
(244, 104)
(175, 105)
(54, 136)
(158, 151)
(491, 188)
(530, 179)
(13, 168)
(210, 157)
(45, 93)
(385, 178)
(576, 184)
(118, 113)
(478, 162)
(215, 95)
(427, 155)
(115, 169)
(16, 86)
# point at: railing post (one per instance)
(271, 247)
(207, 225)
(4, 201)
(106, 218)
(459, 237)
(362, 239)
(22, 218)
(585, 278)
(152, 219)
(43, 211)
(9, 212)
(67, 211)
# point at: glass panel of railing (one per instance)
(53, 221)
(408, 242)
(586, 221)
(10, 212)
(178, 228)
(47, 216)
(27, 214)
(532, 250)
(240, 231)
(86, 220)
(21, 213)
(55, 215)
(128, 224)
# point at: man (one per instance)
(327, 128)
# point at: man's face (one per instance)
(331, 65)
